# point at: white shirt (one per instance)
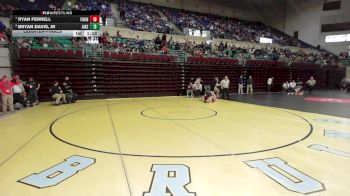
(18, 88)
(269, 81)
(292, 85)
(197, 85)
(225, 83)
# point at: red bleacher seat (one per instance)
(79, 54)
(34, 52)
(70, 54)
(24, 52)
(61, 54)
(106, 54)
(53, 53)
(43, 53)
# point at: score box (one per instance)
(95, 26)
(95, 19)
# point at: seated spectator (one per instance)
(33, 88)
(71, 97)
(57, 93)
(101, 5)
(6, 94)
(144, 17)
(209, 97)
(67, 80)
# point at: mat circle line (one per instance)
(177, 156)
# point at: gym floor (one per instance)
(271, 145)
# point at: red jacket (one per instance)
(6, 87)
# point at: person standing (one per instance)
(6, 94)
(214, 86)
(250, 85)
(19, 94)
(240, 84)
(292, 87)
(225, 84)
(285, 87)
(269, 84)
(343, 85)
(299, 83)
(198, 87)
(311, 84)
(190, 87)
(33, 87)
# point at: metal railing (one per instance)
(345, 62)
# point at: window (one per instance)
(333, 5)
(337, 38)
(265, 40)
(345, 26)
(198, 33)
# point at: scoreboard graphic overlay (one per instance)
(35, 23)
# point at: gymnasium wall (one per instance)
(5, 21)
(5, 66)
(274, 15)
(307, 18)
(304, 16)
(336, 16)
(336, 48)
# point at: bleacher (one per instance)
(121, 77)
(136, 74)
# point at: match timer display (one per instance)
(33, 23)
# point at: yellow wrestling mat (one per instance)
(172, 146)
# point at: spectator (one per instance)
(190, 88)
(343, 85)
(33, 87)
(67, 80)
(214, 86)
(311, 84)
(250, 85)
(299, 83)
(269, 84)
(71, 97)
(240, 84)
(6, 94)
(144, 17)
(292, 87)
(58, 94)
(285, 87)
(119, 36)
(19, 94)
(198, 87)
(225, 85)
